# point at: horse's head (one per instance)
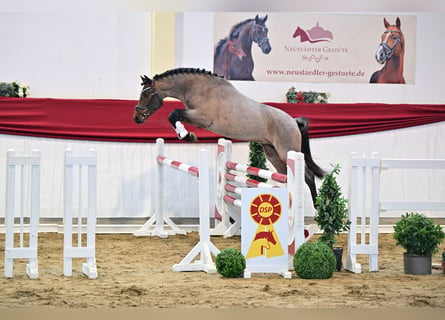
(392, 42)
(149, 101)
(235, 48)
(259, 34)
(297, 32)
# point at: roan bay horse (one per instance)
(390, 52)
(227, 52)
(246, 32)
(213, 103)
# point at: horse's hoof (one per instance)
(190, 137)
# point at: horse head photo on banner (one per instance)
(390, 52)
(233, 55)
(227, 51)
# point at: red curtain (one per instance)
(111, 120)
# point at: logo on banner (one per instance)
(265, 210)
(313, 35)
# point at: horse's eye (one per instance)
(394, 37)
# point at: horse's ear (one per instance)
(259, 20)
(145, 80)
(398, 23)
(386, 23)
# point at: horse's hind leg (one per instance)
(309, 178)
(175, 119)
(281, 167)
(274, 158)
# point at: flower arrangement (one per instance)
(14, 89)
(294, 96)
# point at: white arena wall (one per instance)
(98, 49)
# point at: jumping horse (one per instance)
(246, 33)
(213, 103)
(390, 52)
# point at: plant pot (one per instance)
(338, 251)
(415, 264)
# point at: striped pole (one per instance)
(194, 171)
(232, 200)
(247, 181)
(266, 174)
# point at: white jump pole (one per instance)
(20, 163)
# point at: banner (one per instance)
(356, 48)
(264, 230)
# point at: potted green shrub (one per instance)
(420, 238)
(332, 212)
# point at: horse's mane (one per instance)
(237, 26)
(179, 71)
(219, 46)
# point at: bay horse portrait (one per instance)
(245, 33)
(226, 52)
(391, 52)
(213, 103)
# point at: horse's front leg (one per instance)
(175, 119)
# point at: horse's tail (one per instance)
(303, 125)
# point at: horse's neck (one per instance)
(395, 64)
(247, 40)
(171, 88)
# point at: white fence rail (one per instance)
(365, 205)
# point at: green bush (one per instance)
(418, 234)
(314, 260)
(332, 210)
(230, 263)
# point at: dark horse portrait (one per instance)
(243, 34)
(391, 53)
(213, 103)
(227, 51)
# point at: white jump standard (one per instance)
(84, 166)
(27, 168)
(159, 224)
(205, 248)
